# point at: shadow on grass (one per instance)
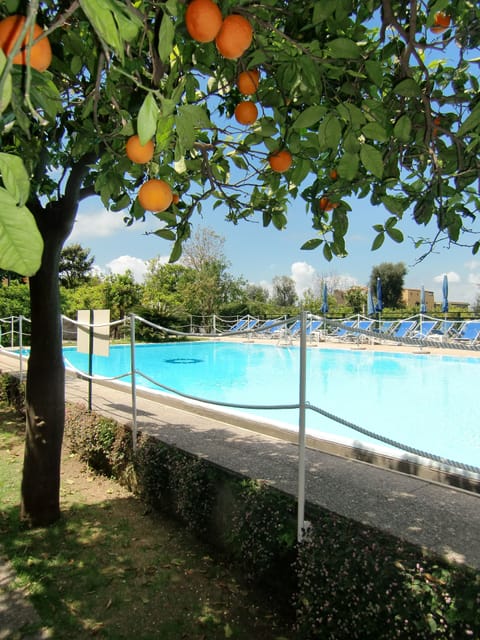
(111, 571)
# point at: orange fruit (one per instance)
(40, 52)
(139, 153)
(203, 19)
(280, 161)
(333, 174)
(246, 112)
(326, 204)
(234, 37)
(441, 22)
(175, 198)
(247, 81)
(155, 195)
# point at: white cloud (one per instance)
(304, 276)
(99, 223)
(137, 266)
(451, 275)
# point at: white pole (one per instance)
(301, 427)
(20, 345)
(133, 383)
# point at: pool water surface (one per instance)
(424, 401)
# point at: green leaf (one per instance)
(378, 241)
(309, 117)
(164, 132)
(327, 252)
(45, 94)
(311, 244)
(395, 205)
(471, 122)
(166, 234)
(375, 131)
(165, 38)
(351, 114)
(176, 251)
(343, 48)
(408, 88)
(21, 245)
(6, 95)
(113, 22)
(395, 234)
(329, 132)
(15, 177)
(188, 119)
(372, 160)
(348, 166)
(403, 128)
(147, 119)
(375, 72)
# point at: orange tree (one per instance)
(362, 90)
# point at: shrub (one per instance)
(264, 534)
(356, 583)
(91, 437)
(12, 392)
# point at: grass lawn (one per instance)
(112, 569)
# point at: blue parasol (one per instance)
(324, 307)
(379, 305)
(445, 294)
(423, 305)
(370, 303)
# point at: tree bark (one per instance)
(45, 390)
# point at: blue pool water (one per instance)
(425, 401)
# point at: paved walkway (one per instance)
(441, 518)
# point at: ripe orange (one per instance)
(441, 22)
(326, 204)
(175, 198)
(333, 174)
(40, 52)
(234, 37)
(247, 81)
(203, 19)
(139, 153)
(155, 195)
(280, 161)
(246, 112)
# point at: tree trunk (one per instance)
(45, 393)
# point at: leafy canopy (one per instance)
(370, 102)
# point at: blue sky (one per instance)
(260, 254)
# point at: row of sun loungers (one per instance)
(363, 329)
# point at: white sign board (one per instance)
(101, 331)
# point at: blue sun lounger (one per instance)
(469, 332)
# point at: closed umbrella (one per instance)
(379, 304)
(445, 294)
(370, 303)
(423, 305)
(324, 307)
(445, 301)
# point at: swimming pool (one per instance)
(424, 401)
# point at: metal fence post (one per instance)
(133, 383)
(301, 426)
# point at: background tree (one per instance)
(75, 266)
(363, 88)
(122, 294)
(392, 276)
(356, 298)
(283, 293)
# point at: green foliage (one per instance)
(263, 530)
(12, 392)
(363, 87)
(14, 300)
(99, 442)
(392, 277)
(75, 265)
(357, 583)
(177, 482)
